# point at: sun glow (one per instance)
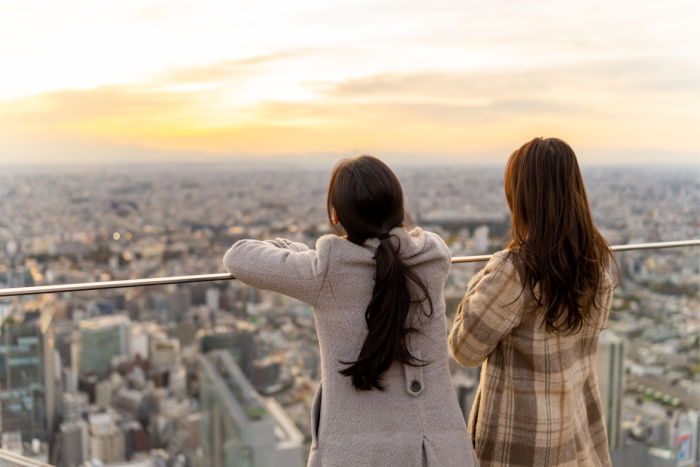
(207, 80)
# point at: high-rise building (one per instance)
(212, 298)
(136, 439)
(481, 238)
(74, 406)
(238, 341)
(101, 339)
(179, 301)
(611, 355)
(139, 341)
(684, 437)
(74, 443)
(164, 352)
(240, 428)
(28, 378)
(106, 439)
(103, 393)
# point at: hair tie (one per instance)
(383, 236)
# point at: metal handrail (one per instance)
(13, 292)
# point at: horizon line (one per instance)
(290, 165)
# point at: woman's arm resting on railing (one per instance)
(491, 308)
(288, 244)
(276, 265)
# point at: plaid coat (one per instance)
(538, 401)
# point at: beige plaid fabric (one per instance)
(538, 401)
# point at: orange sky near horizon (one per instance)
(457, 80)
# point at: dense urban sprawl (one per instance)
(192, 374)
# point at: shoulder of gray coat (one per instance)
(440, 245)
(326, 242)
(325, 246)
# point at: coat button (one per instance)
(415, 385)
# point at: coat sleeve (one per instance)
(278, 265)
(288, 244)
(491, 308)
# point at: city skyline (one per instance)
(456, 82)
(194, 374)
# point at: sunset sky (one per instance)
(468, 81)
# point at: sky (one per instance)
(459, 81)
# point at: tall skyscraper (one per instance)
(240, 428)
(611, 355)
(101, 339)
(28, 378)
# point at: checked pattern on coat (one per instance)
(538, 402)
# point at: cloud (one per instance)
(630, 75)
(79, 105)
(604, 104)
(428, 114)
(163, 99)
(229, 70)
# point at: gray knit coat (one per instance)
(416, 420)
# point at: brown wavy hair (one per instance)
(557, 246)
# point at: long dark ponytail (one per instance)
(367, 198)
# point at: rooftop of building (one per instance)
(98, 323)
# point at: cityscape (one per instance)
(221, 374)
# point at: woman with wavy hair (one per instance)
(385, 397)
(532, 318)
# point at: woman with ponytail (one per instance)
(385, 398)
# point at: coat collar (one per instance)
(410, 242)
